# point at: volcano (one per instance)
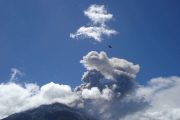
(54, 111)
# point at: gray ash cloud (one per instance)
(108, 91)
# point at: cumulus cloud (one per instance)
(97, 28)
(98, 14)
(16, 98)
(110, 68)
(163, 98)
(108, 91)
(158, 100)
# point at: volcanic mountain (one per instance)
(54, 111)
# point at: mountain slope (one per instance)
(54, 111)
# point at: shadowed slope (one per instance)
(55, 111)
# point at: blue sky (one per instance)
(34, 38)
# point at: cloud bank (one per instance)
(108, 91)
(16, 98)
(163, 98)
(97, 29)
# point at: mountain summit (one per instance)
(54, 111)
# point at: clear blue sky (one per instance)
(34, 38)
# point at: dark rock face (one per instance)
(50, 112)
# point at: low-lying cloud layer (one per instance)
(163, 99)
(16, 98)
(97, 28)
(108, 91)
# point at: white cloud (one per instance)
(94, 32)
(16, 98)
(14, 74)
(98, 14)
(92, 93)
(158, 100)
(163, 97)
(95, 93)
(97, 28)
(161, 103)
(109, 67)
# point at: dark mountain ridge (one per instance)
(54, 111)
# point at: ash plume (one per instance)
(108, 91)
(102, 71)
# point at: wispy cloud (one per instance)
(97, 29)
(15, 73)
(94, 32)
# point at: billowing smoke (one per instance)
(107, 84)
(108, 92)
(103, 72)
(110, 68)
